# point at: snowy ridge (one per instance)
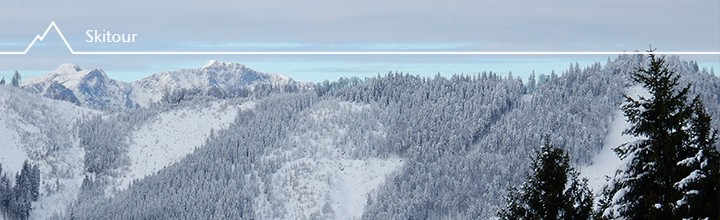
(171, 135)
(226, 76)
(67, 74)
(91, 88)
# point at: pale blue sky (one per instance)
(339, 25)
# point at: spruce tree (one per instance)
(4, 193)
(2, 81)
(15, 81)
(23, 192)
(34, 176)
(544, 195)
(21, 204)
(530, 88)
(700, 196)
(15, 202)
(656, 182)
(578, 199)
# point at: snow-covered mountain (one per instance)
(85, 87)
(94, 89)
(229, 77)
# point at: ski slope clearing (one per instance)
(326, 189)
(323, 176)
(172, 135)
(607, 162)
(12, 155)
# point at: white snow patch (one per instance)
(604, 165)
(12, 156)
(173, 135)
(607, 162)
(320, 176)
(694, 176)
(65, 193)
(145, 97)
(325, 188)
(211, 63)
(526, 97)
(355, 181)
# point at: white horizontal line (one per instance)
(54, 26)
(392, 53)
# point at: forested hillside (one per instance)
(395, 146)
(449, 147)
(40, 133)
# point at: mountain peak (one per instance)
(67, 68)
(88, 87)
(67, 74)
(211, 63)
(71, 74)
(214, 64)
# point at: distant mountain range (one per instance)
(94, 89)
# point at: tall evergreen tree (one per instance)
(700, 196)
(15, 202)
(89, 189)
(531, 83)
(4, 193)
(15, 79)
(652, 185)
(34, 176)
(578, 199)
(544, 195)
(2, 81)
(23, 192)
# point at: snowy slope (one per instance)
(41, 131)
(13, 154)
(90, 88)
(607, 162)
(171, 135)
(322, 177)
(326, 188)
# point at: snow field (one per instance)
(172, 135)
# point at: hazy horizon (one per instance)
(320, 25)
